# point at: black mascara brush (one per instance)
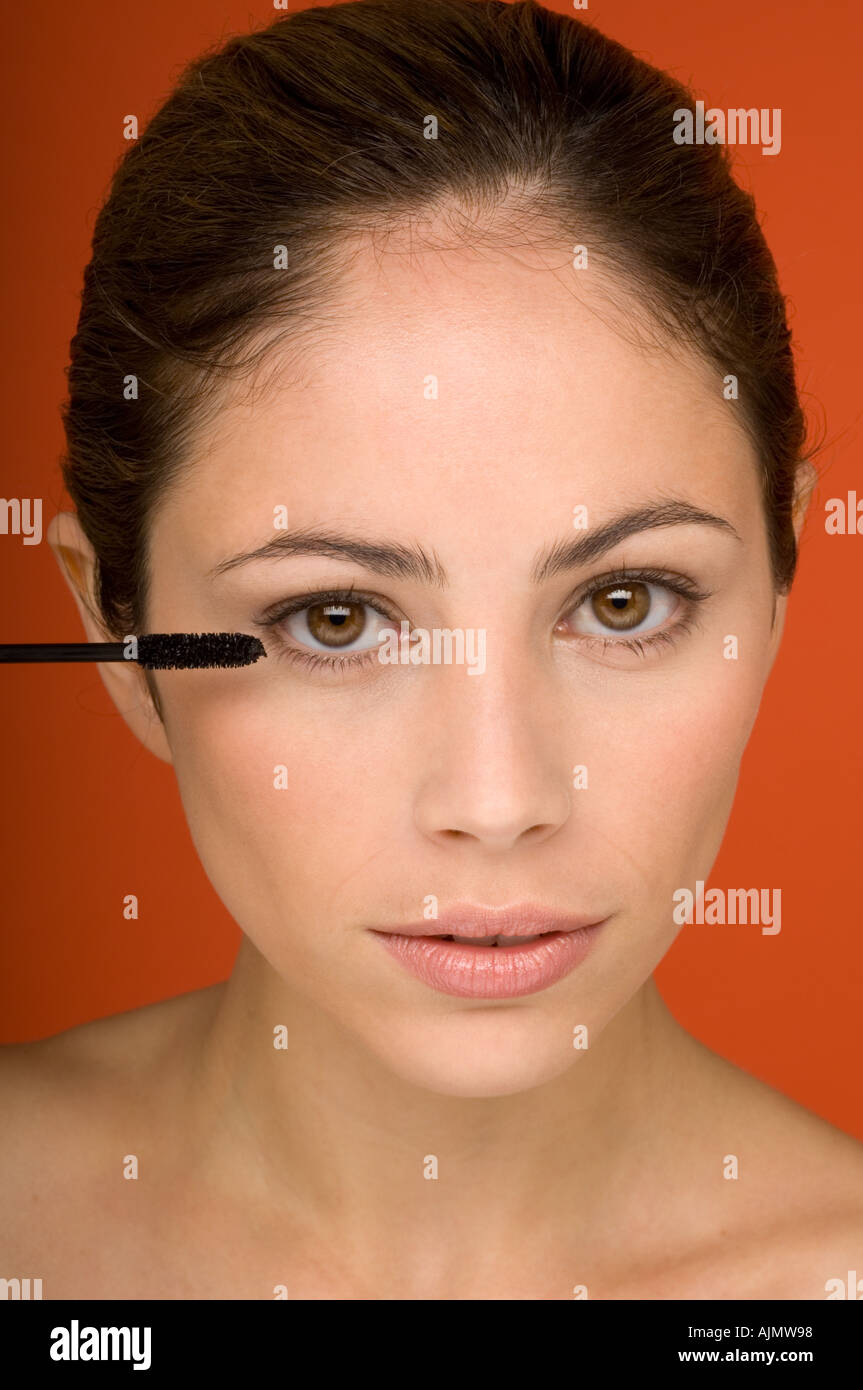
(157, 651)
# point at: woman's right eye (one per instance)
(340, 625)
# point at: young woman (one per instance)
(412, 330)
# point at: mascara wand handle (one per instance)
(62, 651)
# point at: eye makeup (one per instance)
(618, 589)
(336, 600)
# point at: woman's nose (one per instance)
(493, 767)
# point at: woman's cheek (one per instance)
(274, 807)
(663, 773)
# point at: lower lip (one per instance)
(491, 972)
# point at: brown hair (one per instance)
(315, 128)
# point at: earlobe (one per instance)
(125, 681)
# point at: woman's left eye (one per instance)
(628, 608)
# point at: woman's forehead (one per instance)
(482, 380)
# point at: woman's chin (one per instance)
(478, 1057)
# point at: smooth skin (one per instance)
(558, 1169)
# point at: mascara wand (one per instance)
(157, 651)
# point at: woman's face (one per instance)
(467, 405)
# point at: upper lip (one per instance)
(520, 919)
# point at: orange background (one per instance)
(88, 816)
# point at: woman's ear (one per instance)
(125, 681)
(804, 486)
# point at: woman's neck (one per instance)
(440, 1188)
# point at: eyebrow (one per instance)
(651, 517)
(396, 560)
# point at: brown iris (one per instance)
(621, 606)
(336, 624)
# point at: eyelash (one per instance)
(691, 593)
(315, 660)
(686, 589)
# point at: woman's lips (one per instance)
(490, 972)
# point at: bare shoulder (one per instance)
(804, 1152)
(63, 1092)
(790, 1214)
(77, 1107)
(122, 1046)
